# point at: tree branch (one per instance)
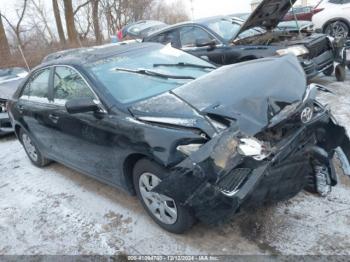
(22, 15)
(81, 6)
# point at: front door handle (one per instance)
(20, 109)
(54, 118)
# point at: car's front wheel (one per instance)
(164, 210)
(32, 150)
(337, 29)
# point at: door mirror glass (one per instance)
(81, 105)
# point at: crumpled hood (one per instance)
(251, 93)
(268, 14)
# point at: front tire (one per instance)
(32, 150)
(165, 211)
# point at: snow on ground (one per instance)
(56, 210)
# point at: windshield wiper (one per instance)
(182, 64)
(152, 73)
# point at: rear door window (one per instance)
(37, 89)
(168, 37)
(189, 35)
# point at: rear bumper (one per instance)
(316, 65)
(5, 124)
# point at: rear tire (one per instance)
(340, 73)
(176, 218)
(337, 29)
(32, 150)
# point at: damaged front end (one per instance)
(235, 170)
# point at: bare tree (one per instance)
(4, 44)
(17, 27)
(56, 11)
(170, 13)
(96, 23)
(40, 11)
(84, 22)
(70, 24)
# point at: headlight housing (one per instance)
(254, 148)
(189, 149)
(297, 50)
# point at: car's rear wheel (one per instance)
(329, 71)
(164, 210)
(337, 29)
(340, 73)
(32, 150)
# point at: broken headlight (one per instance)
(189, 149)
(253, 148)
(297, 50)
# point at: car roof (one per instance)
(81, 56)
(201, 21)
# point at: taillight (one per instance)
(317, 10)
(120, 35)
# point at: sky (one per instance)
(204, 8)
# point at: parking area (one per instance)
(56, 210)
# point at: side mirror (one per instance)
(205, 42)
(81, 105)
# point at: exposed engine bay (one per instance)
(276, 38)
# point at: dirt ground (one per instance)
(58, 211)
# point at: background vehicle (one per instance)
(287, 26)
(301, 13)
(334, 19)
(227, 40)
(139, 29)
(188, 149)
(10, 79)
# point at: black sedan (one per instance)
(192, 141)
(227, 40)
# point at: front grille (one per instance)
(318, 48)
(233, 180)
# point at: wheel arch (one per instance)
(334, 20)
(128, 168)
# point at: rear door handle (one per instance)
(54, 118)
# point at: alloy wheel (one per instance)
(29, 147)
(161, 206)
(337, 29)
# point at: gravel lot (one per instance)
(58, 211)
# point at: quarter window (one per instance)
(68, 84)
(37, 87)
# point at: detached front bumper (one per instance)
(316, 65)
(5, 124)
(216, 181)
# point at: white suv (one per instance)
(334, 19)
